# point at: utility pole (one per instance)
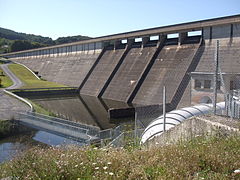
(215, 78)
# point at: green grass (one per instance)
(29, 80)
(214, 158)
(39, 109)
(5, 80)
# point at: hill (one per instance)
(11, 41)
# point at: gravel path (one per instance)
(9, 105)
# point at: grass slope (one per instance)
(29, 80)
(5, 80)
(201, 158)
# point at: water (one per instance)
(83, 109)
(16, 145)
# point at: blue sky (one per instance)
(94, 18)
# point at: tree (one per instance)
(20, 45)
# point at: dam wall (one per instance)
(133, 67)
(202, 85)
(168, 70)
(102, 72)
(127, 75)
(229, 51)
(68, 70)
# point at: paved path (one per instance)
(17, 83)
(9, 105)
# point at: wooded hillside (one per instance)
(11, 41)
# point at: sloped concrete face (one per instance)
(102, 72)
(168, 70)
(67, 70)
(229, 54)
(125, 79)
(229, 40)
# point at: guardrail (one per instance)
(38, 92)
(59, 127)
(44, 89)
(74, 130)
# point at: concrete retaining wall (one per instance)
(191, 128)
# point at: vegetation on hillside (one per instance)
(12, 35)
(11, 41)
(5, 81)
(20, 45)
(8, 128)
(69, 39)
(214, 158)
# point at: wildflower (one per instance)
(111, 173)
(76, 165)
(105, 167)
(96, 168)
(109, 163)
(94, 163)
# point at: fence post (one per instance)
(231, 106)
(135, 132)
(215, 79)
(164, 108)
(238, 108)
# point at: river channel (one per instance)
(83, 109)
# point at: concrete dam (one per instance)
(134, 66)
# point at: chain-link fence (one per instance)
(220, 85)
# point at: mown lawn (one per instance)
(5, 80)
(201, 158)
(29, 80)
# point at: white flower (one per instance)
(96, 168)
(111, 173)
(109, 163)
(94, 163)
(105, 167)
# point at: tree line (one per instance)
(11, 41)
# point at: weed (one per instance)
(215, 158)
